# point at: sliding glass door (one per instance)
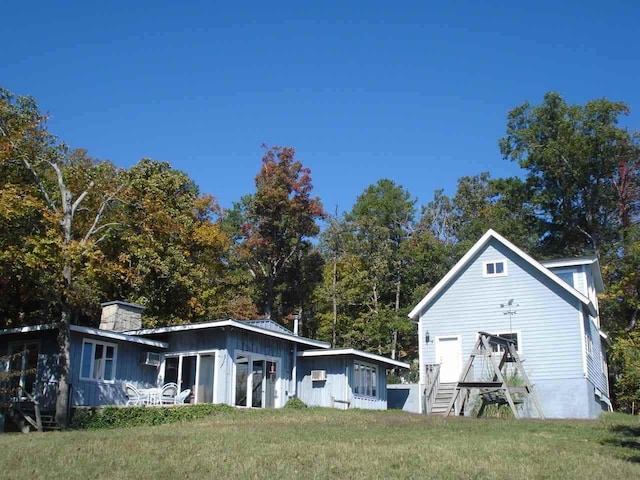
(256, 381)
(192, 371)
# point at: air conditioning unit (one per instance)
(151, 358)
(318, 375)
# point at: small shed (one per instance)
(344, 378)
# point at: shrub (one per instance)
(295, 403)
(115, 417)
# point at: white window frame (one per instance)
(518, 334)
(92, 365)
(192, 353)
(279, 380)
(494, 262)
(588, 342)
(374, 369)
(20, 346)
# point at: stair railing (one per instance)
(37, 423)
(432, 384)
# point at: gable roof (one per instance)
(232, 323)
(468, 257)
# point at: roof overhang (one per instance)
(87, 331)
(591, 260)
(468, 257)
(331, 352)
(234, 324)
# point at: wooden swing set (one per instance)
(494, 391)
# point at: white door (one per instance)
(449, 356)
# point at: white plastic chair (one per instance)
(135, 396)
(182, 396)
(168, 394)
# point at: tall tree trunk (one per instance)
(64, 367)
(268, 303)
(64, 327)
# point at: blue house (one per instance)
(257, 364)
(550, 310)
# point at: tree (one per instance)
(574, 156)
(276, 222)
(26, 144)
(386, 210)
(169, 250)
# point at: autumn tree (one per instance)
(26, 145)
(275, 226)
(168, 251)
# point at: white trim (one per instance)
(27, 329)
(356, 353)
(459, 343)
(491, 234)
(504, 272)
(23, 359)
(375, 369)
(422, 344)
(88, 331)
(251, 357)
(230, 323)
(585, 367)
(118, 336)
(114, 360)
(592, 261)
(507, 332)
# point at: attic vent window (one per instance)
(497, 268)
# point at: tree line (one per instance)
(76, 231)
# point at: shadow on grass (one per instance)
(626, 437)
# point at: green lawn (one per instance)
(320, 443)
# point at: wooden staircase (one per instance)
(443, 397)
(27, 417)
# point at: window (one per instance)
(589, 344)
(26, 363)
(603, 364)
(497, 268)
(499, 349)
(365, 379)
(98, 361)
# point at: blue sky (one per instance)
(417, 92)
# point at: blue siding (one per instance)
(128, 370)
(595, 371)
(243, 341)
(548, 318)
(404, 397)
(339, 384)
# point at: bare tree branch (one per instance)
(82, 196)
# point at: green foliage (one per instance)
(625, 358)
(117, 417)
(574, 156)
(295, 404)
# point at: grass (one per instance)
(321, 443)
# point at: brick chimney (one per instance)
(121, 316)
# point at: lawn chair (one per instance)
(182, 396)
(168, 394)
(135, 396)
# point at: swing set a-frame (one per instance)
(494, 391)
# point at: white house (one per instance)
(549, 308)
